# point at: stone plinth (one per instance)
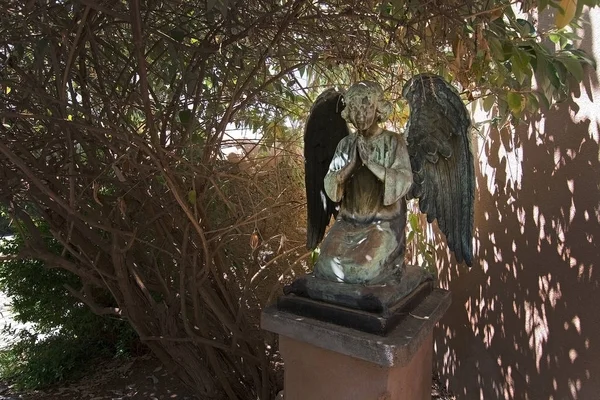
(324, 361)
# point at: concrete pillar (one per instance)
(330, 362)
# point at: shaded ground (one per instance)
(134, 379)
(139, 378)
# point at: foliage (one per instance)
(495, 51)
(114, 115)
(5, 228)
(33, 363)
(420, 250)
(67, 334)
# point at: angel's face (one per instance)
(361, 105)
(362, 112)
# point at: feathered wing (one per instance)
(442, 162)
(325, 127)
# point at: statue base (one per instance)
(328, 361)
(369, 308)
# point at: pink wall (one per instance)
(525, 320)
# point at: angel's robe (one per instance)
(366, 243)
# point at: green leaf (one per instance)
(540, 61)
(488, 102)
(385, 8)
(41, 46)
(561, 72)
(302, 71)
(584, 57)
(529, 49)
(574, 67)
(314, 256)
(519, 74)
(532, 102)
(278, 86)
(177, 34)
(569, 36)
(397, 6)
(429, 260)
(185, 116)
(541, 79)
(579, 8)
(192, 197)
(552, 75)
(543, 100)
(503, 113)
(522, 59)
(507, 48)
(526, 28)
(514, 102)
(413, 220)
(498, 77)
(521, 66)
(496, 49)
(554, 38)
(550, 93)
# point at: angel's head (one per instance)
(365, 105)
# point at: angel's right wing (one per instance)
(442, 162)
(325, 128)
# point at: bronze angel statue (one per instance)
(364, 177)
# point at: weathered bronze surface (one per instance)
(371, 174)
(372, 298)
(364, 319)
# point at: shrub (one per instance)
(65, 336)
(5, 228)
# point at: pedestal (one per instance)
(324, 361)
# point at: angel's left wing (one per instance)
(438, 136)
(324, 129)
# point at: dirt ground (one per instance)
(138, 378)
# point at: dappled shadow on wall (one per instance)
(525, 323)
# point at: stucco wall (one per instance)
(525, 320)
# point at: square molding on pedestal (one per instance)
(332, 362)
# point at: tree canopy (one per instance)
(115, 113)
